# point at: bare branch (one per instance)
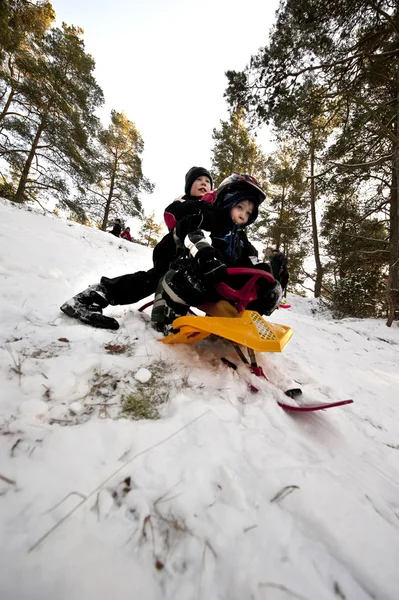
(372, 163)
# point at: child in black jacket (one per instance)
(202, 263)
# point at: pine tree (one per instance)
(283, 222)
(120, 179)
(22, 25)
(357, 250)
(20, 20)
(150, 231)
(57, 96)
(352, 49)
(235, 150)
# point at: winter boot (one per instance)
(176, 292)
(172, 311)
(165, 311)
(87, 307)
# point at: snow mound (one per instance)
(184, 485)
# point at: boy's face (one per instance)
(201, 186)
(241, 212)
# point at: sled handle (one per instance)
(248, 292)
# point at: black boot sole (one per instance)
(94, 319)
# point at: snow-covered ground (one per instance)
(225, 496)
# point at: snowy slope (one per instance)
(226, 496)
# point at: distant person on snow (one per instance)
(87, 306)
(126, 234)
(117, 228)
(191, 278)
(278, 263)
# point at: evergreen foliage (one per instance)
(236, 151)
(150, 231)
(283, 222)
(19, 21)
(51, 141)
(46, 139)
(118, 171)
(22, 25)
(356, 271)
(350, 49)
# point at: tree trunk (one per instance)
(393, 279)
(12, 92)
(19, 195)
(109, 199)
(319, 269)
(280, 218)
(7, 104)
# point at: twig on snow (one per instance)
(279, 586)
(7, 480)
(65, 498)
(86, 498)
(288, 489)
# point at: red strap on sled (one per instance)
(146, 306)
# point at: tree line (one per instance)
(328, 84)
(52, 144)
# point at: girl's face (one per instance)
(201, 186)
(241, 212)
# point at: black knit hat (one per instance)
(192, 175)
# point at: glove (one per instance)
(188, 224)
(213, 270)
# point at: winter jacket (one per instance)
(185, 206)
(165, 251)
(126, 236)
(116, 230)
(229, 241)
(279, 266)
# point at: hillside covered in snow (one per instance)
(131, 469)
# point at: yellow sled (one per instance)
(246, 328)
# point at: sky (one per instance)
(225, 495)
(163, 64)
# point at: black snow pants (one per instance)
(133, 287)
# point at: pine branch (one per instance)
(363, 237)
(388, 17)
(96, 193)
(328, 65)
(373, 252)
